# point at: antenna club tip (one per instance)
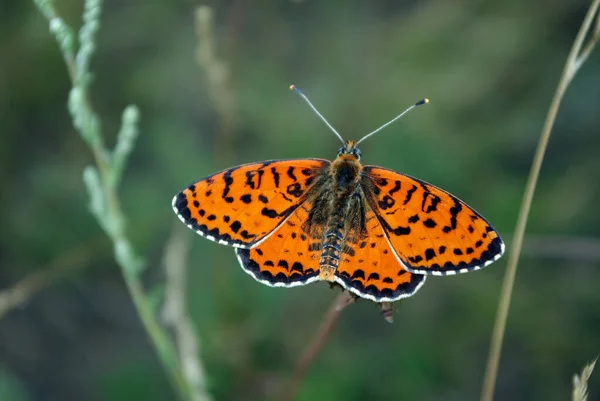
(422, 101)
(293, 88)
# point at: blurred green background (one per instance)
(490, 70)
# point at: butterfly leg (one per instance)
(387, 310)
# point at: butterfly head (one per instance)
(349, 149)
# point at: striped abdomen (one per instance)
(333, 237)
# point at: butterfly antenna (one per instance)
(419, 103)
(293, 88)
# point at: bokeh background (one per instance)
(490, 69)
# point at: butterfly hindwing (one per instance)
(288, 257)
(242, 205)
(430, 230)
(369, 268)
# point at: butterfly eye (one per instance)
(357, 153)
(340, 151)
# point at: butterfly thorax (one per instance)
(342, 209)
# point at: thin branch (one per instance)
(21, 292)
(312, 351)
(175, 312)
(572, 65)
(590, 45)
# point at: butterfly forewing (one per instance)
(241, 206)
(430, 230)
(369, 268)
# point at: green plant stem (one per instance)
(574, 62)
(102, 183)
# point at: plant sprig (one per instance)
(102, 179)
(575, 60)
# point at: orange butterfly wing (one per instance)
(241, 206)
(430, 230)
(289, 257)
(369, 268)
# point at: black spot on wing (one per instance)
(386, 202)
(228, 180)
(254, 178)
(429, 254)
(373, 276)
(275, 177)
(358, 273)
(235, 226)
(400, 230)
(434, 201)
(295, 190)
(415, 259)
(409, 194)
(270, 213)
(454, 211)
(290, 173)
(246, 235)
(429, 223)
(396, 188)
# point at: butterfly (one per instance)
(375, 232)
